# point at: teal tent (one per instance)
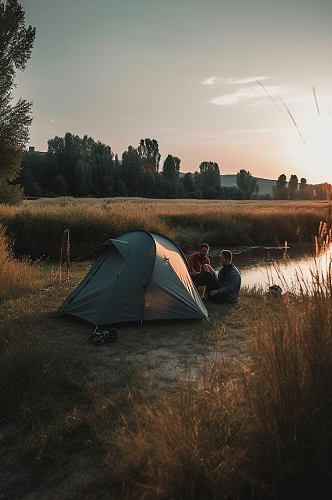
(140, 276)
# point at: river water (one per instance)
(290, 267)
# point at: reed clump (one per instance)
(37, 230)
(290, 397)
(37, 226)
(17, 277)
(259, 430)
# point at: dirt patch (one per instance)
(154, 356)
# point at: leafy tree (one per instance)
(209, 178)
(303, 184)
(16, 41)
(247, 183)
(188, 182)
(148, 150)
(177, 165)
(67, 150)
(211, 193)
(280, 189)
(102, 170)
(171, 168)
(83, 175)
(304, 192)
(120, 188)
(151, 184)
(59, 185)
(168, 187)
(37, 171)
(132, 171)
(231, 193)
(292, 186)
(85, 157)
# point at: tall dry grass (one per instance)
(263, 430)
(37, 226)
(258, 429)
(16, 276)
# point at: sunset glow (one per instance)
(314, 158)
(185, 73)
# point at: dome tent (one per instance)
(140, 276)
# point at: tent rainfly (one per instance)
(140, 276)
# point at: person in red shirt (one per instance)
(197, 260)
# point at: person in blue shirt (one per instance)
(225, 286)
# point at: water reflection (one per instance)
(288, 267)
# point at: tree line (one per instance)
(295, 190)
(75, 166)
(16, 41)
(78, 166)
(83, 167)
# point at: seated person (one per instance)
(197, 260)
(226, 286)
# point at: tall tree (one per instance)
(247, 183)
(171, 168)
(303, 184)
(210, 173)
(148, 150)
(78, 156)
(68, 150)
(132, 171)
(304, 192)
(188, 182)
(280, 189)
(293, 182)
(16, 41)
(292, 186)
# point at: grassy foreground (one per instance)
(237, 408)
(37, 226)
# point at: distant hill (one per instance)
(265, 185)
(229, 180)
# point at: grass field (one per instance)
(37, 226)
(239, 407)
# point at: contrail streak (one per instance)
(269, 96)
(293, 120)
(314, 91)
(286, 108)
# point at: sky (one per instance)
(185, 72)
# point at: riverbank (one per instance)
(239, 406)
(37, 225)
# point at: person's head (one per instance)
(204, 249)
(226, 257)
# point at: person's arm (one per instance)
(209, 269)
(191, 264)
(233, 281)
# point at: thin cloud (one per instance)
(215, 80)
(212, 80)
(255, 131)
(244, 81)
(244, 94)
(299, 99)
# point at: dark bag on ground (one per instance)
(103, 337)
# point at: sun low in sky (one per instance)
(186, 72)
(314, 153)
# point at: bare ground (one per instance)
(156, 354)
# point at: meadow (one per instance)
(37, 226)
(236, 408)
